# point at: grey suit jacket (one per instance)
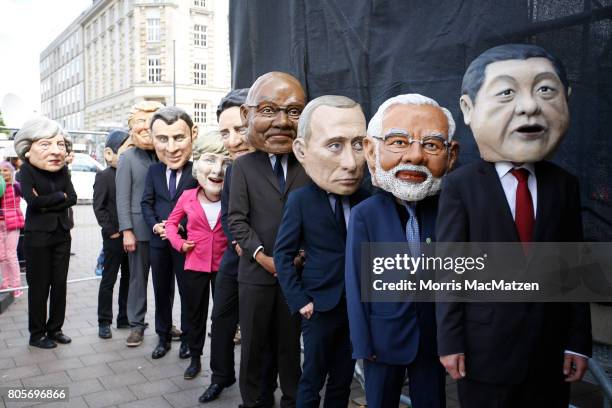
(256, 209)
(131, 173)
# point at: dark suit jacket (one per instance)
(48, 209)
(156, 202)
(309, 223)
(390, 330)
(256, 208)
(230, 260)
(501, 340)
(104, 201)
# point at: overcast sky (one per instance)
(27, 28)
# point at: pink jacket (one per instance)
(13, 217)
(209, 244)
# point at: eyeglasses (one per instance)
(401, 142)
(271, 110)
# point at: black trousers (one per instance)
(166, 263)
(114, 258)
(223, 329)
(327, 359)
(265, 319)
(197, 291)
(46, 274)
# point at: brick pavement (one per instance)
(105, 373)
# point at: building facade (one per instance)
(134, 50)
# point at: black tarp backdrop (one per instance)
(371, 50)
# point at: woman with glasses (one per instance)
(43, 144)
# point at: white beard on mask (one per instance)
(406, 190)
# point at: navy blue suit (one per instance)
(309, 223)
(402, 336)
(166, 262)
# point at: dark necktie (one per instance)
(278, 172)
(172, 183)
(523, 210)
(339, 213)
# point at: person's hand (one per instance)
(300, 259)
(372, 358)
(129, 241)
(160, 229)
(115, 235)
(307, 310)
(574, 367)
(35, 193)
(187, 246)
(267, 262)
(237, 248)
(454, 365)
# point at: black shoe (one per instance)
(104, 332)
(184, 351)
(59, 337)
(43, 343)
(212, 392)
(162, 348)
(194, 368)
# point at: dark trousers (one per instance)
(114, 258)
(223, 329)
(265, 319)
(384, 382)
(327, 357)
(197, 291)
(543, 387)
(166, 263)
(46, 274)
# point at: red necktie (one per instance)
(523, 210)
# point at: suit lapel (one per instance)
(391, 218)
(498, 202)
(326, 209)
(265, 168)
(293, 168)
(545, 196)
(185, 172)
(195, 202)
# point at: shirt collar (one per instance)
(504, 168)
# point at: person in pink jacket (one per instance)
(11, 221)
(206, 241)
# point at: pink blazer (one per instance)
(209, 244)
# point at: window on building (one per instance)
(199, 113)
(153, 29)
(199, 35)
(199, 3)
(154, 69)
(199, 74)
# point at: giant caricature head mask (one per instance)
(43, 143)
(231, 127)
(139, 120)
(272, 110)
(211, 161)
(173, 135)
(409, 146)
(515, 101)
(330, 143)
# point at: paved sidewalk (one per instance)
(106, 373)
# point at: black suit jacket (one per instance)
(309, 223)
(256, 208)
(104, 201)
(501, 340)
(156, 202)
(48, 208)
(230, 260)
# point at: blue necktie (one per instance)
(339, 213)
(278, 172)
(413, 234)
(172, 183)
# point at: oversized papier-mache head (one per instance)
(139, 122)
(43, 143)
(330, 143)
(211, 160)
(409, 147)
(514, 98)
(173, 134)
(272, 110)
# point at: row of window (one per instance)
(200, 37)
(154, 71)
